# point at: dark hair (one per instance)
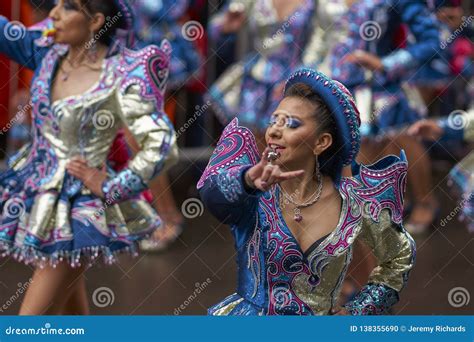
(329, 160)
(115, 19)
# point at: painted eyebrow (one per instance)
(287, 113)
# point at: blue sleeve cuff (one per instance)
(123, 186)
(398, 63)
(451, 130)
(373, 299)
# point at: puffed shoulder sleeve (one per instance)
(383, 232)
(424, 27)
(26, 46)
(222, 186)
(141, 97)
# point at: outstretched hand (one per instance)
(263, 175)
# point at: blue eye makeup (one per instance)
(284, 121)
(293, 123)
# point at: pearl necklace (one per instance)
(313, 199)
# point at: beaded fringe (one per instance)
(75, 258)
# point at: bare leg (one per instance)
(78, 303)
(50, 289)
(165, 205)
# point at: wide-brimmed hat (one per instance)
(342, 106)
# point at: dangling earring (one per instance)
(317, 171)
(93, 54)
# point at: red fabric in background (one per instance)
(23, 76)
(5, 10)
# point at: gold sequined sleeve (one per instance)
(141, 110)
(395, 252)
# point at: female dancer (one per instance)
(451, 128)
(60, 209)
(364, 51)
(251, 88)
(293, 216)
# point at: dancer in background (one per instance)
(251, 88)
(374, 61)
(295, 219)
(60, 209)
(459, 127)
(158, 20)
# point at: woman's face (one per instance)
(292, 133)
(72, 23)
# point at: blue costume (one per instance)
(373, 26)
(275, 276)
(46, 215)
(249, 89)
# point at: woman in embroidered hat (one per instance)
(295, 219)
(60, 207)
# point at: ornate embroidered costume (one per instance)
(249, 89)
(46, 215)
(275, 276)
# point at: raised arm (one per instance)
(424, 28)
(23, 45)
